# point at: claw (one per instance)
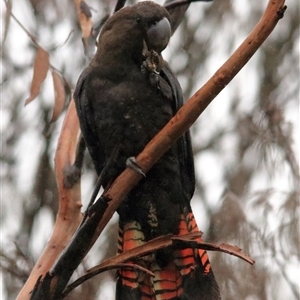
(132, 164)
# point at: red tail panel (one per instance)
(167, 281)
(184, 258)
(192, 227)
(130, 237)
(146, 288)
(187, 275)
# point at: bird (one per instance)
(126, 95)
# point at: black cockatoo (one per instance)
(123, 98)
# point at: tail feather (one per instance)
(187, 275)
(199, 283)
(167, 281)
(202, 254)
(130, 236)
(184, 258)
(146, 288)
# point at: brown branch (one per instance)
(179, 124)
(183, 241)
(69, 216)
(190, 240)
(99, 269)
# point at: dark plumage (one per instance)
(125, 97)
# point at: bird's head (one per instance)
(126, 32)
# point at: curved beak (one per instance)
(159, 35)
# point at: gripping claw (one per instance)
(132, 164)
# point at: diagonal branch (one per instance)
(179, 124)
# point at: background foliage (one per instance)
(246, 144)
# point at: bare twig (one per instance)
(31, 36)
(100, 269)
(183, 241)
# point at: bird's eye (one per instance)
(138, 20)
(153, 23)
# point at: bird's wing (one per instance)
(86, 116)
(184, 145)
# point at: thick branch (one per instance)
(69, 216)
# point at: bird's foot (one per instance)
(132, 164)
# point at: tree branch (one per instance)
(179, 124)
(190, 240)
(69, 216)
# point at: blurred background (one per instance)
(246, 144)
